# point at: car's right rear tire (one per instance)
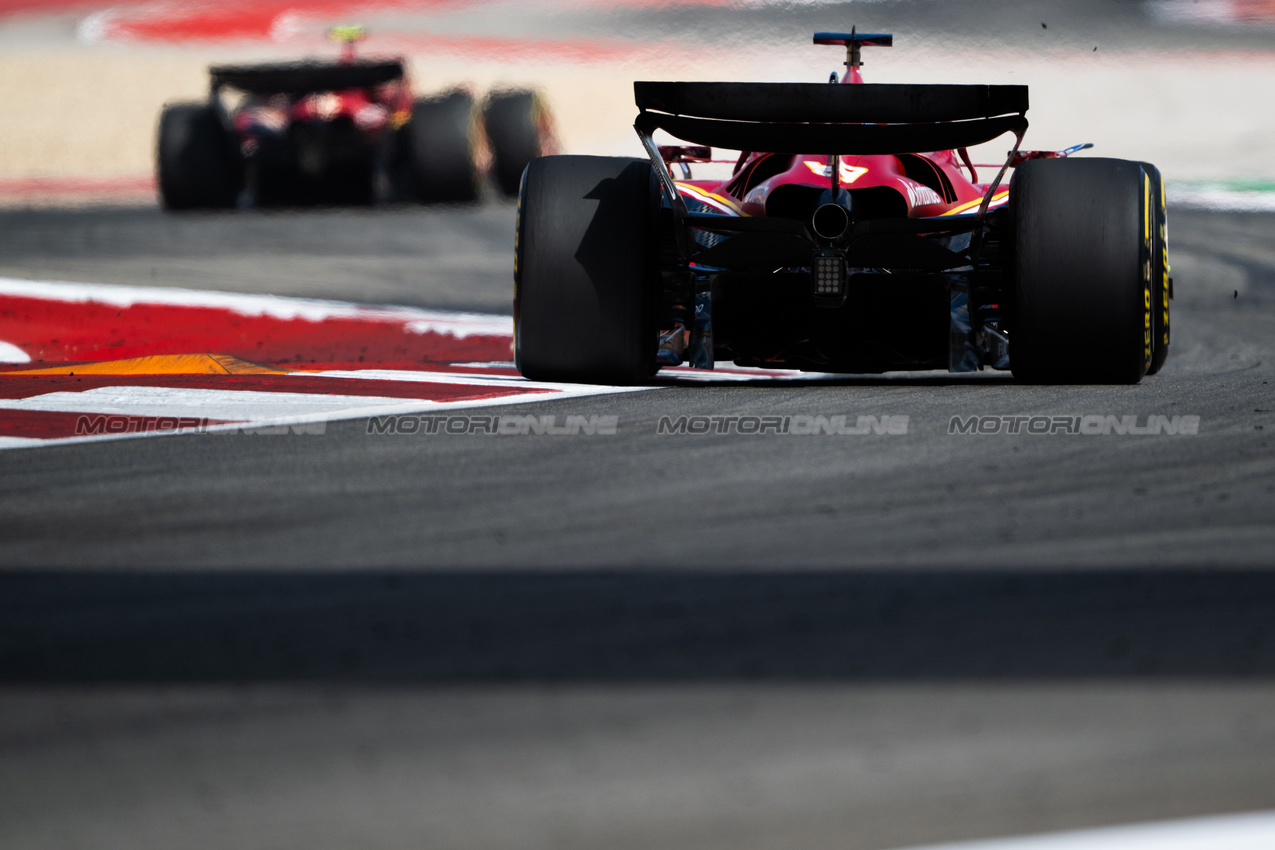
(445, 142)
(1081, 273)
(1159, 271)
(586, 273)
(196, 160)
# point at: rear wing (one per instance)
(304, 77)
(818, 118)
(797, 118)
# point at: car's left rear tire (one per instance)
(445, 142)
(586, 271)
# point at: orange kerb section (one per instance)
(163, 364)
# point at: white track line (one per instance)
(245, 405)
(415, 319)
(472, 379)
(10, 353)
(263, 408)
(1255, 831)
(1220, 199)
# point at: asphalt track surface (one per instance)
(637, 640)
(638, 498)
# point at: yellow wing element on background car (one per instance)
(348, 33)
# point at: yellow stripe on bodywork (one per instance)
(973, 205)
(699, 193)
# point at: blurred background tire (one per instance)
(519, 129)
(445, 137)
(196, 159)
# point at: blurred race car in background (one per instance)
(343, 132)
(853, 235)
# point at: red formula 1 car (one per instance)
(348, 131)
(854, 235)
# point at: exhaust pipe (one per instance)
(830, 221)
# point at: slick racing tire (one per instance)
(1082, 272)
(445, 140)
(1159, 271)
(586, 276)
(519, 129)
(197, 163)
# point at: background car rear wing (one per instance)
(304, 77)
